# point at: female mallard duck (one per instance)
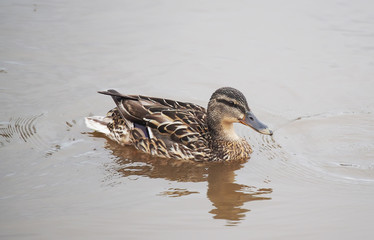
(173, 129)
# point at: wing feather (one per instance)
(173, 121)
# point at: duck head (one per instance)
(227, 106)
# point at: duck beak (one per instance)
(251, 121)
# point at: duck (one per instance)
(182, 130)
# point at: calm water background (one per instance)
(306, 68)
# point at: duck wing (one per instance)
(168, 120)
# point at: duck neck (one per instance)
(221, 130)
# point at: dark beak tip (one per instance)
(251, 121)
(268, 132)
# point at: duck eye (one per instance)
(227, 102)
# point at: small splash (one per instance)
(267, 147)
(57, 146)
(70, 125)
(52, 150)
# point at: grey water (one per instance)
(306, 68)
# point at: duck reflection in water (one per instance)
(227, 197)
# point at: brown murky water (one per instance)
(306, 68)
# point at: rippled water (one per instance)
(306, 68)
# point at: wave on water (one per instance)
(336, 146)
(21, 128)
(27, 130)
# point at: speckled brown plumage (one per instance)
(174, 129)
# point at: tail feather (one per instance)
(117, 97)
(98, 123)
(120, 134)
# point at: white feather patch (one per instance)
(98, 123)
(150, 132)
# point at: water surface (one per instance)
(307, 71)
